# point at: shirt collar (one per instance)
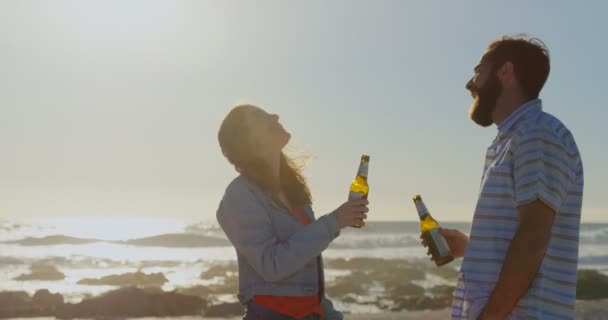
(530, 107)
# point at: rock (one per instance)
(14, 304)
(421, 303)
(197, 291)
(42, 272)
(178, 240)
(591, 309)
(51, 241)
(225, 310)
(342, 286)
(229, 285)
(19, 304)
(405, 289)
(128, 280)
(443, 290)
(446, 272)
(591, 285)
(134, 302)
(44, 299)
(219, 270)
(14, 299)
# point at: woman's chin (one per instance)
(285, 140)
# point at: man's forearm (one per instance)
(521, 265)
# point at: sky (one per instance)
(112, 107)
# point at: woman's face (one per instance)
(266, 134)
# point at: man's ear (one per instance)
(506, 73)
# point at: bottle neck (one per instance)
(362, 172)
(423, 212)
(423, 216)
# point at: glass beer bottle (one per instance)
(359, 189)
(429, 227)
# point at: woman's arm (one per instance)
(249, 229)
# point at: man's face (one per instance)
(485, 89)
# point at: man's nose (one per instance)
(470, 86)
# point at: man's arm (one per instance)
(524, 257)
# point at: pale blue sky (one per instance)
(112, 107)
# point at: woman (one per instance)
(266, 214)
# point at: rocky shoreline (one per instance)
(361, 286)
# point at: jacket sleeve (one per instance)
(248, 227)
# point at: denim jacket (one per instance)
(277, 255)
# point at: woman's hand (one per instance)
(352, 213)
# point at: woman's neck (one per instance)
(274, 164)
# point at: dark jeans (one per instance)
(257, 312)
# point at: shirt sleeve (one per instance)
(543, 170)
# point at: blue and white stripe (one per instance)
(534, 157)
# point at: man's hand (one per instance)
(456, 240)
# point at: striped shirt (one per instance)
(534, 157)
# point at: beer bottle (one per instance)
(430, 232)
(359, 188)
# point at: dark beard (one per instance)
(485, 102)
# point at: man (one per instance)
(520, 261)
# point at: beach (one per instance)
(379, 272)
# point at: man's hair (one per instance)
(530, 59)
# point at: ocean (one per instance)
(181, 250)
